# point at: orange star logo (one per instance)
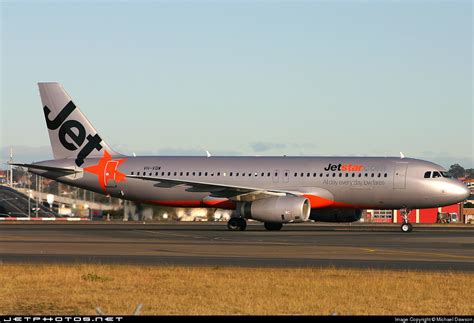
(106, 170)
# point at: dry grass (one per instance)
(78, 289)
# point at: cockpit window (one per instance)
(427, 174)
(436, 174)
(445, 174)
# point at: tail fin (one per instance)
(71, 134)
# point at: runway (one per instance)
(210, 244)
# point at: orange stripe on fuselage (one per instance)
(320, 202)
(316, 203)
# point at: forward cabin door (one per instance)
(400, 175)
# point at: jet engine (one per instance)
(335, 215)
(277, 209)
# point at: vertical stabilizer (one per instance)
(71, 134)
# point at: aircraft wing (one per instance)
(236, 193)
(48, 168)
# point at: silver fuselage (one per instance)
(338, 182)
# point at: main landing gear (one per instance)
(273, 226)
(406, 226)
(236, 224)
(240, 224)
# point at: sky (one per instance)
(356, 78)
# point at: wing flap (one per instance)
(232, 192)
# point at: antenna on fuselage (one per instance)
(208, 153)
(402, 155)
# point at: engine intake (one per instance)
(277, 209)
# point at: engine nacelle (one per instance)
(277, 209)
(336, 215)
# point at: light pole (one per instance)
(11, 167)
(28, 176)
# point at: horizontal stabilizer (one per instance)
(48, 168)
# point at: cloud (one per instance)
(293, 148)
(260, 146)
(25, 154)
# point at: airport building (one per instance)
(446, 214)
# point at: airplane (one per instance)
(272, 190)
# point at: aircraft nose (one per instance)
(466, 192)
(457, 191)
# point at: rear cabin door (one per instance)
(286, 176)
(400, 175)
(275, 176)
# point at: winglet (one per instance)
(402, 155)
(208, 153)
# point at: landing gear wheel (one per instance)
(273, 226)
(236, 224)
(406, 227)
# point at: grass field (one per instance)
(117, 289)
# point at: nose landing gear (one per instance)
(406, 226)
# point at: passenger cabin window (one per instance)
(427, 174)
(132, 173)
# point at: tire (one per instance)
(236, 224)
(406, 227)
(273, 226)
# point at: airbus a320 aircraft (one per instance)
(273, 190)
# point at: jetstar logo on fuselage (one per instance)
(107, 170)
(345, 167)
(72, 133)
